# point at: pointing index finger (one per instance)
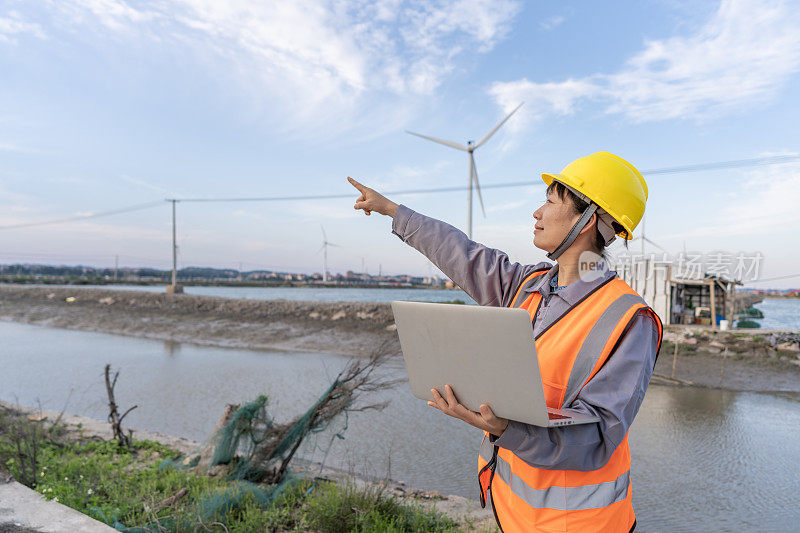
(356, 184)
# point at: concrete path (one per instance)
(25, 510)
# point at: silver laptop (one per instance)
(487, 354)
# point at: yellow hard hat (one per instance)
(610, 182)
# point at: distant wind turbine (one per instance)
(472, 173)
(324, 250)
(643, 238)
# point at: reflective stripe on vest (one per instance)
(593, 345)
(519, 299)
(578, 498)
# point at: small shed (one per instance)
(697, 300)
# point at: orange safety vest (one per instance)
(570, 350)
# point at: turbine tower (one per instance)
(472, 172)
(643, 238)
(324, 250)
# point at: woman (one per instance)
(596, 339)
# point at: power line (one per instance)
(77, 218)
(739, 163)
(351, 194)
(773, 279)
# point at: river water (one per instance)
(703, 460)
(310, 294)
(779, 313)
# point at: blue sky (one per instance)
(107, 103)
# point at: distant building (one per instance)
(701, 299)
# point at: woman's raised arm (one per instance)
(486, 274)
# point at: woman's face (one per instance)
(553, 220)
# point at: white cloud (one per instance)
(405, 177)
(508, 206)
(742, 56)
(146, 185)
(552, 22)
(321, 59)
(8, 147)
(13, 25)
(115, 14)
(541, 99)
(763, 202)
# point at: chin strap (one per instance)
(573, 233)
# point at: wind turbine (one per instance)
(324, 250)
(643, 238)
(472, 173)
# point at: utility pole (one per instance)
(174, 288)
(116, 266)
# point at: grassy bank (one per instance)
(144, 488)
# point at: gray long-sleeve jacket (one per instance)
(614, 394)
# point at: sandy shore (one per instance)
(742, 360)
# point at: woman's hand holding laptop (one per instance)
(485, 419)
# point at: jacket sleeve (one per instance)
(486, 274)
(614, 395)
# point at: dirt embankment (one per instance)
(351, 328)
(735, 360)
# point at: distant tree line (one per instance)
(44, 273)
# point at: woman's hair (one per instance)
(599, 243)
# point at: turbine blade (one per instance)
(477, 185)
(489, 135)
(321, 247)
(324, 236)
(654, 244)
(451, 144)
(334, 245)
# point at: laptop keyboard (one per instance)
(554, 416)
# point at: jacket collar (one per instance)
(573, 292)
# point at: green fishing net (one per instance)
(254, 452)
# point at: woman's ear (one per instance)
(590, 225)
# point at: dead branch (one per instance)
(172, 500)
(113, 414)
(357, 378)
(268, 455)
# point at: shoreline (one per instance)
(343, 328)
(738, 360)
(464, 510)
(221, 283)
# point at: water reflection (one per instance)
(172, 347)
(716, 459)
(702, 459)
